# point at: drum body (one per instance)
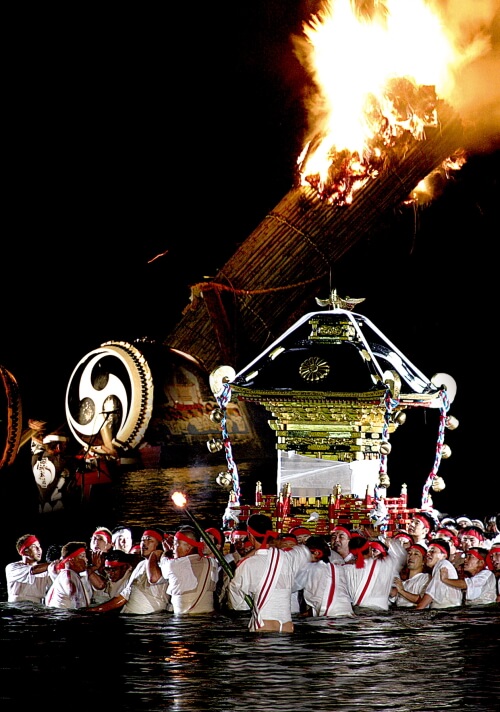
(150, 400)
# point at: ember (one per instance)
(412, 110)
(370, 108)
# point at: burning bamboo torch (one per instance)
(180, 500)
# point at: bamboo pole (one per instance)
(296, 244)
(208, 541)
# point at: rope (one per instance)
(223, 399)
(199, 287)
(439, 448)
(380, 515)
(390, 404)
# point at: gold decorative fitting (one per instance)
(314, 369)
(438, 484)
(400, 417)
(337, 302)
(385, 448)
(224, 479)
(215, 445)
(384, 480)
(216, 416)
(251, 375)
(323, 330)
(451, 422)
(276, 352)
(445, 452)
(393, 382)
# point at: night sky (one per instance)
(128, 137)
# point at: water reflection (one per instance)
(428, 661)
(399, 661)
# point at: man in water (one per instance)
(407, 593)
(29, 578)
(71, 587)
(339, 544)
(421, 527)
(493, 561)
(268, 575)
(191, 577)
(437, 593)
(479, 585)
(140, 596)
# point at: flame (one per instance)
(179, 499)
(381, 69)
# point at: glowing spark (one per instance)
(406, 63)
(160, 254)
(179, 499)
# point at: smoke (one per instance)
(475, 29)
(473, 26)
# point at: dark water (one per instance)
(427, 661)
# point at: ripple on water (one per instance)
(402, 661)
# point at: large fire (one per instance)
(382, 70)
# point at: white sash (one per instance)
(266, 586)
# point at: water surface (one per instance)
(425, 661)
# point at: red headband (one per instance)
(472, 532)
(424, 521)
(113, 564)
(360, 561)
(76, 553)
(153, 534)
(420, 548)
(264, 537)
(299, 531)
(489, 560)
(403, 535)
(438, 546)
(216, 533)
(318, 552)
(477, 554)
(378, 547)
(339, 528)
(449, 535)
(27, 543)
(289, 541)
(106, 535)
(192, 542)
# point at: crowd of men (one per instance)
(273, 579)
